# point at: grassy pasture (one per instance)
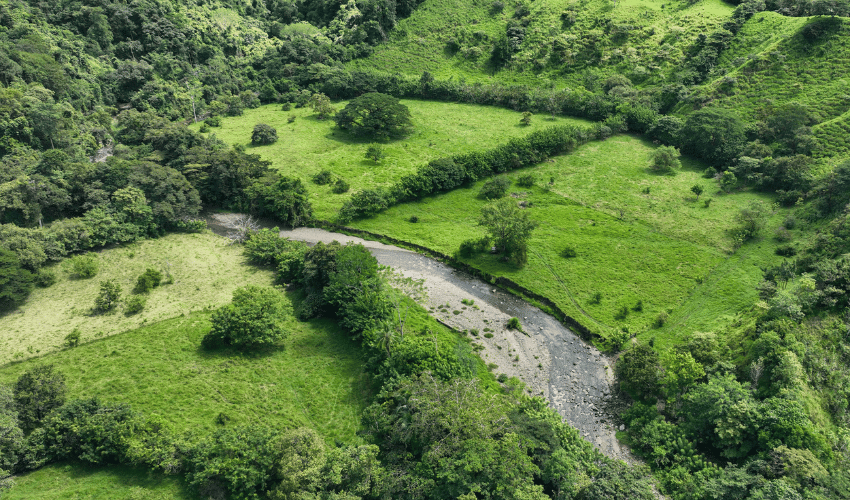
(308, 145)
(205, 268)
(314, 381)
(662, 249)
(554, 51)
(78, 481)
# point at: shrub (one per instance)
(526, 180)
(286, 106)
(785, 251)
(15, 281)
(254, 318)
(526, 118)
(364, 203)
(707, 202)
(37, 392)
(204, 128)
(495, 188)
(375, 115)
(471, 247)
(661, 319)
(323, 177)
(83, 266)
(513, 324)
(134, 305)
(568, 252)
(291, 119)
(597, 298)
(45, 278)
(73, 338)
(488, 335)
(665, 159)
(147, 281)
(714, 134)
(107, 299)
(621, 313)
(728, 181)
(413, 219)
(340, 186)
(709, 173)
(697, 190)
(263, 135)
(783, 235)
(638, 307)
(213, 121)
(375, 152)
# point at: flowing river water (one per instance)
(554, 362)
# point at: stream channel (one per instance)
(554, 362)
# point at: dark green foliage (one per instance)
(665, 159)
(513, 324)
(639, 371)
(365, 203)
(45, 278)
(263, 135)
(265, 246)
(254, 318)
(37, 392)
(751, 221)
(526, 180)
(509, 226)
(617, 481)
(16, 283)
(714, 134)
(413, 219)
(569, 252)
(375, 115)
(340, 186)
(470, 248)
(108, 297)
(86, 430)
(83, 266)
(73, 338)
(323, 177)
(526, 118)
(283, 198)
(354, 291)
(134, 305)
(319, 265)
(239, 462)
(213, 121)
(697, 190)
(147, 281)
(12, 441)
(494, 188)
(375, 153)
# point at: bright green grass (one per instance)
(658, 251)
(78, 481)
(769, 56)
(205, 267)
(309, 146)
(553, 52)
(315, 380)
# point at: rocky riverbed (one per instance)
(553, 362)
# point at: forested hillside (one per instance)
(670, 179)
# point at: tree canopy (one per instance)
(375, 116)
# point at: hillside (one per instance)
(670, 180)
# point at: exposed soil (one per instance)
(552, 360)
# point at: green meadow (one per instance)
(315, 380)
(77, 481)
(205, 269)
(639, 237)
(308, 146)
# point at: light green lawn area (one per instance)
(663, 249)
(308, 145)
(205, 267)
(315, 380)
(78, 481)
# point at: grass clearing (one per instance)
(308, 145)
(661, 249)
(315, 381)
(206, 270)
(74, 481)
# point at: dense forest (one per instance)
(110, 117)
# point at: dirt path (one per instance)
(552, 361)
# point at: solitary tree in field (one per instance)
(509, 226)
(375, 115)
(321, 104)
(665, 159)
(526, 118)
(697, 190)
(263, 135)
(254, 318)
(375, 153)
